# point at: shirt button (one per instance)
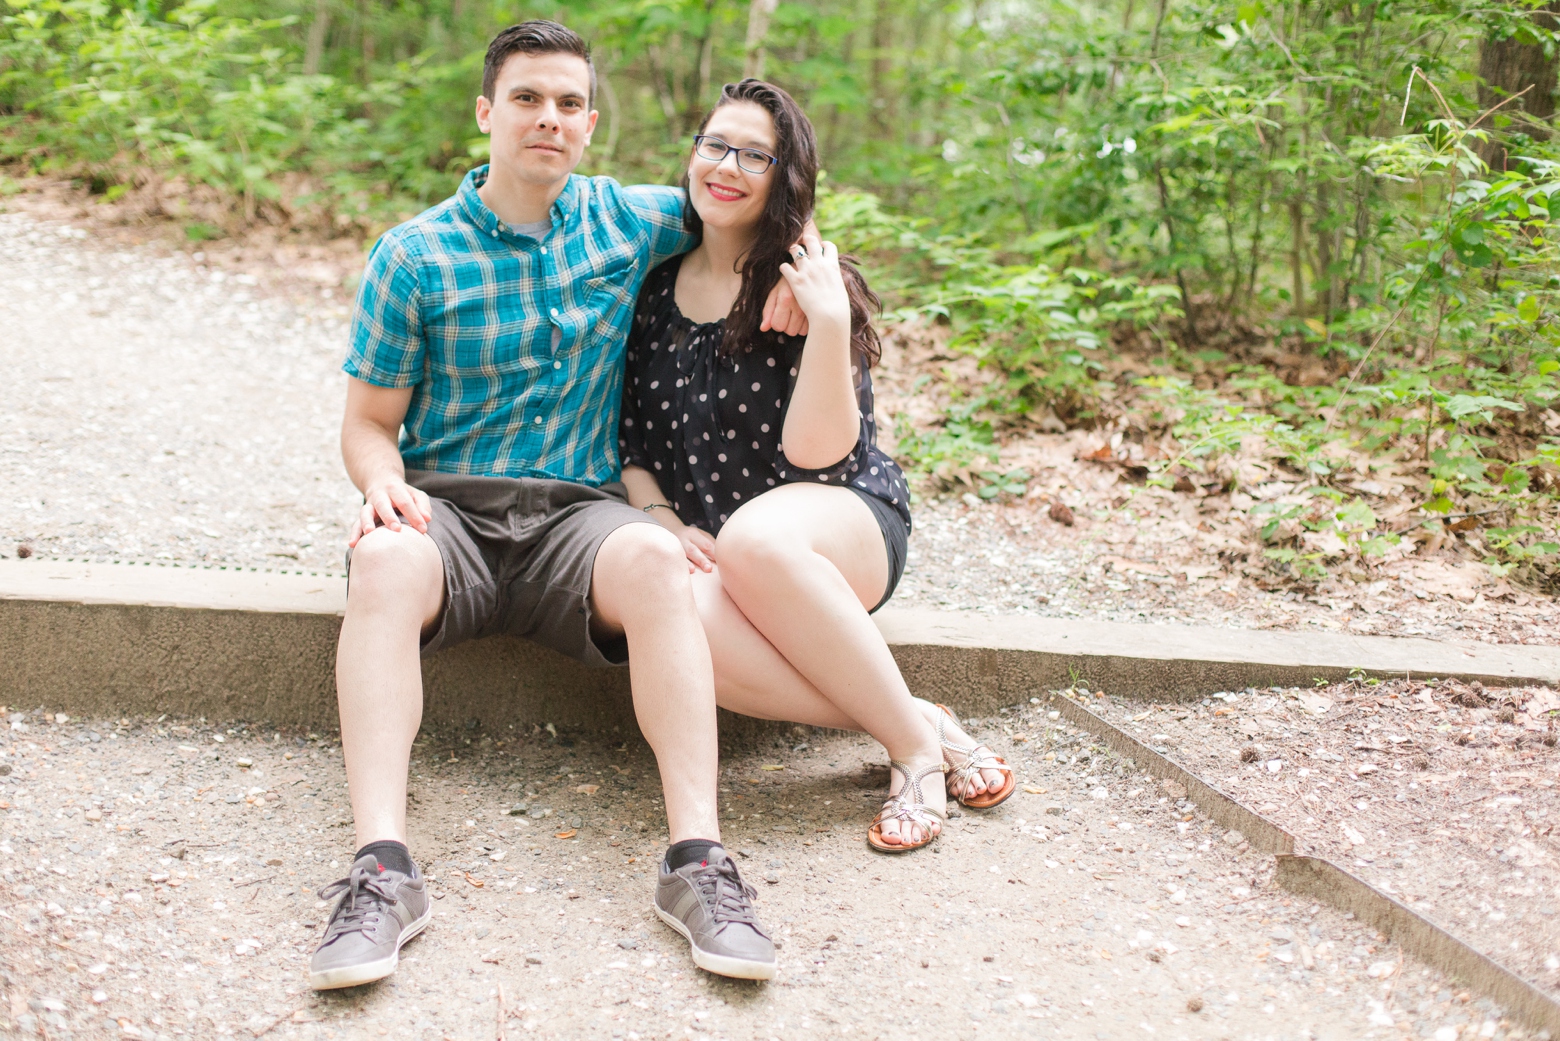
(495, 233)
(557, 364)
(544, 251)
(536, 419)
(555, 312)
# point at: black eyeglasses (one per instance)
(750, 159)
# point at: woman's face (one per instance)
(724, 194)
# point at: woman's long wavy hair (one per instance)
(794, 180)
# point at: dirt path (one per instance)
(159, 876)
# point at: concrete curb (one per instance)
(118, 639)
(1320, 879)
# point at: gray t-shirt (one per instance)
(539, 231)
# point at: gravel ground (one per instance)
(1439, 794)
(159, 876)
(185, 406)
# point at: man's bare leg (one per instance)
(640, 587)
(395, 592)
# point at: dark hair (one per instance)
(538, 37)
(790, 204)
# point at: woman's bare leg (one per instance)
(803, 564)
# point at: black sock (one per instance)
(688, 851)
(390, 854)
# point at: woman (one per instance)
(757, 450)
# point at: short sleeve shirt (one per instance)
(708, 427)
(513, 344)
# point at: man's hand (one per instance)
(392, 503)
(783, 313)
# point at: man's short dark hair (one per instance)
(538, 37)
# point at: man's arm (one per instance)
(369, 447)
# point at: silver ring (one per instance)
(800, 251)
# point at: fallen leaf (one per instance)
(771, 766)
(1123, 564)
(1032, 790)
(473, 879)
(588, 789)
(566, 834)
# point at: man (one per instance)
(492, 327)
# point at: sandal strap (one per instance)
(910, 804)
(980, 758)
(975, 757)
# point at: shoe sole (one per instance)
(368, 972)
(719, 964)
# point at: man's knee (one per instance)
(641, 554)
(389, 566)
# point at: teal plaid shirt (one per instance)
(461, 308)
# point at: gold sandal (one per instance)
(975, 759)
(907, 811)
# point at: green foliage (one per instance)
(1078, 190)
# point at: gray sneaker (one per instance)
(379, 910)
(710, 904)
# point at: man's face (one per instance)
(540, 117)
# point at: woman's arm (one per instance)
(822, 421)
(645, 491)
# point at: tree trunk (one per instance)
(1508, 66)
(314, 50)
(882, 44)
(759, 13)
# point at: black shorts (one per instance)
(518, 556)
(896, 539)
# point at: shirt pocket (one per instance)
(608, 298)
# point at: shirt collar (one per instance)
(486, 221)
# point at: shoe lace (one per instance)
(728, 897)
(363, 896)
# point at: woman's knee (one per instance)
(757, 547)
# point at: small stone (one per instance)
(1194, 1004)
(533, 959)
(24, 551)
(988, 957)
(94, 814)
(1249, 754)
(776, 864)
(1233, 837)
(244, 764)
(140, 771)
(99, 996)
(176, 851)
(157, 877)
(482, 932)
(519, 809)
(772, 878)
(5, 769)
(628, 943)
(1054, 809)
(1061, 514)
(273, 862)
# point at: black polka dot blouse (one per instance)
(709, 427)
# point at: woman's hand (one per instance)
(698, 546)
(815, 280)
